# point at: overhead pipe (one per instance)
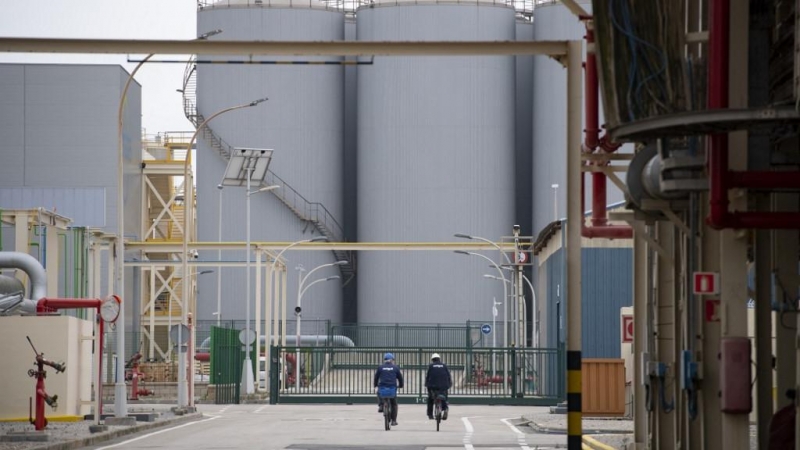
(721, 178)
(592, 141)
(305, 340)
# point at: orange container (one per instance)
(603, 387)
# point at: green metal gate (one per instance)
(480, 375)
(227, 358)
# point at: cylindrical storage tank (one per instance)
(435, 157)
(302, 121)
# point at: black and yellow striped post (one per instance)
(574, 225)
(574, 430)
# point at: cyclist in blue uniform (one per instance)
(387, 380)
(438, 379)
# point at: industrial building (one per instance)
(687, 129)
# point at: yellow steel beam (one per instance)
(163, 247)
(334, 48)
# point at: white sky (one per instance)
(162, 106)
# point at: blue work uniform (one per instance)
(437, 379)
(389, 378)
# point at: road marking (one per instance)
(156, 432)
(261, 409)
(523, 443)
(468, 435)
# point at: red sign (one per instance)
(712, 310)
(627, 329)
(706, 283)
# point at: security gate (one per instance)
(480, 375)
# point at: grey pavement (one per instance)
(345, 427)
(557, 423)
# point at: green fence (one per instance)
(480, 375)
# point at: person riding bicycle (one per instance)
(438, 380)
(387, 380)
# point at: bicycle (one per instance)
(437, 408)
(387, 412)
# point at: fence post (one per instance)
(421, 379)
(274, 376)
(514, 374)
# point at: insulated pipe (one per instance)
(34, 270)
(307, 339)
(606, 231)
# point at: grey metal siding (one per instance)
(61, 123)
(555, 292)
(302, 121)
(435, 157)
(350, 165)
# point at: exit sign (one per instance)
(706, 283)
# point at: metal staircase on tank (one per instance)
(313, 213)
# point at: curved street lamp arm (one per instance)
(278, 256)
(319, 280)
(478, 238)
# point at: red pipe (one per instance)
(764, 180)
(605, 231)
(721, 177)
(48, 305)
(592, 140)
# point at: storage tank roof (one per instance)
(300, 4)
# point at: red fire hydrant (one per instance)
(41, 394)
(134, 375)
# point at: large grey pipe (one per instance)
(309, 339)
(36, 273)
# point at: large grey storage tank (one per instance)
(302, 121)
(435, 157)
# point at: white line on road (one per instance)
(468, 435)
(520, 435)
(156, 432)
(261, 409)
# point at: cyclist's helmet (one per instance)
(388, 356)
(435, 356)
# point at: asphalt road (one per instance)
(341, 427)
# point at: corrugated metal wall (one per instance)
(303, 121)
(435, 157)
(607, 286)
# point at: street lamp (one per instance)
(505, 314)
(188, 204)
(219, 259)
(534, 305)
(245, 166)
(513, 286)
(555, 201)
(120, 389)
(299, 309)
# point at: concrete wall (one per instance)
(59, 338)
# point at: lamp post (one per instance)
(244, 166)
(219, 259)
(120, 390)
(505, 315)
(187, 213)
(299, 309)
(276, 306)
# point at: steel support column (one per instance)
(785, 250)
(640, 422)
(667, 337)
(574, 225)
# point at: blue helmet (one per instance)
(388, 356)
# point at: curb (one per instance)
(594, 444)
(546, 430)
(109, 435)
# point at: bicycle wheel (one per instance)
(437, 412)
(387, 414)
